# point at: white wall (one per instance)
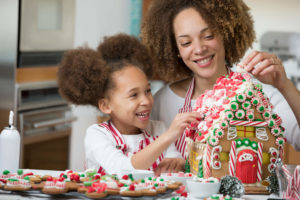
(97, 18)
(274, 15)
(94, 19)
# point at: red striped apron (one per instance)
(180, 143)
(120, 143)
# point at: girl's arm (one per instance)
(146, 157)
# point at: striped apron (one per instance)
(120, 143)
(181, 143)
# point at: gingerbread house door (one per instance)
(246, 166)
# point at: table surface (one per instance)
(8, 195)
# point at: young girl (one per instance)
(113, 80)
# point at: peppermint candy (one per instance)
(240, 114)
(246, 105)
(223, 124)
(249, 93)
(276, 131)
(219, 133)
(213, 141)
(271, 123)
(267, 115)
(234, 106)
(241, 97)
(255, 101)
(260, 108)
(229, 115)
(250, 115)
(280, 141)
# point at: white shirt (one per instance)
(167, 104)
(100, 148)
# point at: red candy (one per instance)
(125, 177)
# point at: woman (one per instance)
(196, 41)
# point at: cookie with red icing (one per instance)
(97, 190)
(15, 184)
(55, 186)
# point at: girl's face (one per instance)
(130, 101)
(201, 50)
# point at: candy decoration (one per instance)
(224, 124)
(246, 105)
(234, 106)
(280, 141)
(249, 93)
(240, 114)
(259, 162)
(207, 163)
(248, 123)
(219, 133)
(260, 108)
(267, 115)
(200, 169)
(276, 131)
(255, 101)
(241, 98)
(232, 158)
(229, 115)
(271, 123)
(213, 141)
(250, 115)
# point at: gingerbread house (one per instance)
(238, 135)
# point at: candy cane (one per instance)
(207, 163)
(232, 158)
(259, 162)
(248, 123)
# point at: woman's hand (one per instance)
(170, 165)
(180, 122)
(267, 68)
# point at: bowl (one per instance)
(137, 174)
(177, 177)
(201, 189)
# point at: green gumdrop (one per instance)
(5, 172)
(20, 171)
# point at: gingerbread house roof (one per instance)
(234, 100)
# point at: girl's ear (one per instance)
(103, 105)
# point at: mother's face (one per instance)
(200, 49)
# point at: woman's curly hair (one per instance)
(84, 75)
(229, 18)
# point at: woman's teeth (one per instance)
(204, 61)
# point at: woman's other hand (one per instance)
(267, 68)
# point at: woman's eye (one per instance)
(209, 37)
(185, 44)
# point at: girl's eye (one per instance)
(133, 95)
(148, 91)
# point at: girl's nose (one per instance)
(146, 99)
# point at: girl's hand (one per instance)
(170, 165)
(267, 68)
(180, 122)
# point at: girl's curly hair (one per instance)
(230, 18)
(84, 75)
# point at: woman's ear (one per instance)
(103, 105)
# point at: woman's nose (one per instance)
(199, 48)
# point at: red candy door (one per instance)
(246, 166)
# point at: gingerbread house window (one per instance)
(194, 161)
(245, 131)
(231, 133)
(261, 133)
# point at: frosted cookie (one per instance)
(26, 173)
(55, 186)
(14, 184)
(83, 188)
(112, 184)
(130, 191)
(37, 186)
(2, 182)
(98, 190)
(6, 174)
